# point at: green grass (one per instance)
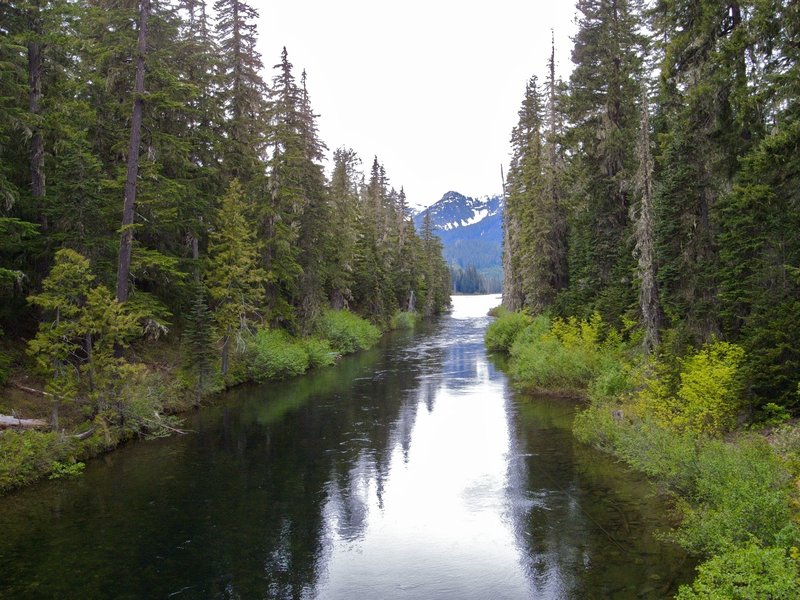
(503, 331)
(405, 320)
(347, 332)
(274, 354)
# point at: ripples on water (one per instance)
(411, 471)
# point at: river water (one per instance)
(409, 471)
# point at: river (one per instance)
(413, 470)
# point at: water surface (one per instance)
(409, 471)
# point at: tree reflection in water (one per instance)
(410, 471)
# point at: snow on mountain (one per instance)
(471, 231)
(456, 211)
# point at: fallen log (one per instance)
(9, 422)
(85, 434)
(30, 390)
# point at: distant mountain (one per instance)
(471, 231)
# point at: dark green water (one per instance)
(410, 471)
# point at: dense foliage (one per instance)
(651, 233)
(165, 212)
(660, 183)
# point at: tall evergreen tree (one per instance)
(126, 243)
(345, 222)
(242, 90)
(710, 118)
(234, 278)
(603, 111)
(296, 215)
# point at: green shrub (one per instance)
(614, 380)
(320, 353)
(502, 332)
(274, 354)
(497, 311)
(743, 493)
(404, 320)
(66, 469)
(28, 455)
(748, 573)
(733, 493)
(347, 332)
(565, 355)
(706, 395)
(772, 415)
(664, 455)
(5, 367)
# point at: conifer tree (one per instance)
(85, 325)
(234, 277)
(345, 222)
(759, 249)
(242, 90)
(709, 120)
(603, 111)
(530, 206)
(197, 345)
(126, 243)
(299, 186)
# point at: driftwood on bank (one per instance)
(85, 434)
(10, 422)
(30, 390)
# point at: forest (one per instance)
(651, 252)
(167, 225)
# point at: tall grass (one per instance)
(347, 332)
(556, 355)
(503, 331)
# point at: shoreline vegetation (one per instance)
(172, 223)
(733, 483)
(162, 387)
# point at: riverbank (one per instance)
(162, 385)
(409, 470)
(735, 485)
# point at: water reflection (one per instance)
(411, 471)
(439, 527)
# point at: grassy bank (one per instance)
(680, 420)
(156, 383)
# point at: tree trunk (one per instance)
(225, 345)
(126, 242)
(11, 422)
(35, 66)
(645, 235)
(89, 360)
(54, 415)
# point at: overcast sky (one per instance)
(432, 87)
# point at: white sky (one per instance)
(430, 87)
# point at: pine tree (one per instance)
(530, 206)
(242, 90)
(345, 221)
(197, 345)
(234, 279)
(759, 275)
(603, 110)
(299, 186)
(710, 118)
(85, 326)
